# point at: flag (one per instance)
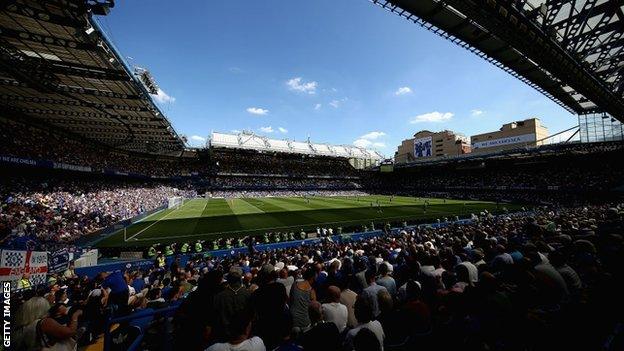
(14, 263)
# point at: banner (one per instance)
(524, 138)
(422, 147)
(13, 264)
(59, 261)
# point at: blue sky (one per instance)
(342, 72)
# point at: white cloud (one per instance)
(403, 91)
(235, 131)
(362, 143)
(162, 97)
(372, 135)
(365, 143)
(317, 107)
(268, 129)
(297, 84)
(433, 117)
(367, 140)
(334, 103)
(282, 130)
(235, 70)
(196, 140)
(257, 111)
(476, 112)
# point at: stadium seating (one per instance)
(484, 284)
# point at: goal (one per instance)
(176, 202)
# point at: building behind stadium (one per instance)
(427, 145)
(529, 133)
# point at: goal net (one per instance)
(175, 202)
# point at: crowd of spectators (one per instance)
(49, 214)
(283, 183)
(270, 163)
(24, 141)
(538, 281)
(584, 168)
(571, 167)
(282, 193)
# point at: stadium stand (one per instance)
(85, 147)
(475, 286)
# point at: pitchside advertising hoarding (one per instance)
(422, 147)
(516, 139)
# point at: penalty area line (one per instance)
(158, 220)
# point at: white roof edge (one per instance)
(350, 151)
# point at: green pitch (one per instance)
(206, 219)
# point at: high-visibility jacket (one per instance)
(52, 280)
(184, 248)
(151, 252)
(168, 251)
(24, 284)
(161, 261)
(198, 247)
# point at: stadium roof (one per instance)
(251, 141)
(57, 68)
(570, 50)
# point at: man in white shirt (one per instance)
(239, 340)
(364, 315)
(334, 311)
(286, 280)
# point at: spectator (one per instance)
(386, 280)
(301, 295)
(364, 316)
(334, 311)
(239, 336)
(322, 335)
(232, 300)
(372, 291)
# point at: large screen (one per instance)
(422, 147)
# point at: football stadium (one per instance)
(321, 175)
(207, 219)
